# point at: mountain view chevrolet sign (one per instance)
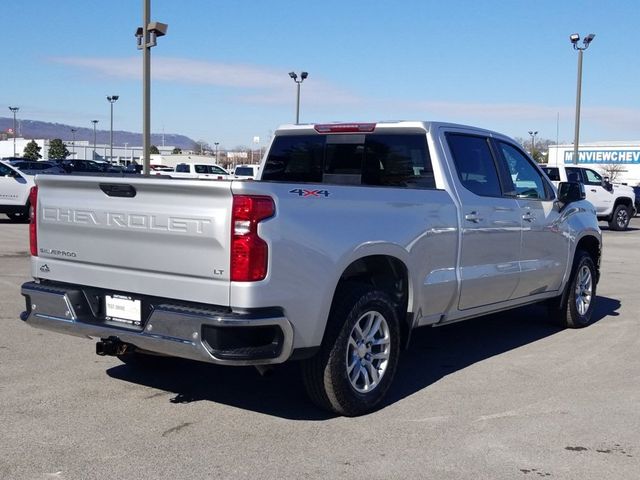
(601, 156)
(604, 156)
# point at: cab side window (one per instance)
(474, 163)
(527, 180)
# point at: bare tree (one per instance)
(613, 171)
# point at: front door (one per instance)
(545, 241)
(601, 198)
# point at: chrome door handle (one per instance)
(473, 217)
(593, 190)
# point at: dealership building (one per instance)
(602, 156)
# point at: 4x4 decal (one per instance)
(310, 193)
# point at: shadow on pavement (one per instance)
(433, 354)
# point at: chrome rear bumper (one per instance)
(174, 330)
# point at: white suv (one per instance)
(14, 192)
(614, 203)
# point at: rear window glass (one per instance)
(393, 160)
(244, 171)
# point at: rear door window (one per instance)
(475, 164)
(182, 168)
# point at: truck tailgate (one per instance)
(160, 237)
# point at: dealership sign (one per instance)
(604, 156)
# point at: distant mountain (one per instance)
(37, 129)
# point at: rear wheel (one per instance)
(575, 308)
(620, 218)
(358, 358)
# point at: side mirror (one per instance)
(570, 192)
(606, 184)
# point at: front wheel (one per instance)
(358, 358)
(575, 308)
(620, 218)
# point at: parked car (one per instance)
(161, 168)
(246, 172)
(15, 187)
(614, 203)
(82, 166)
(636, 191)
(133, 168)
(200, 170)
(33, 167)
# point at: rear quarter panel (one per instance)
(314, 238)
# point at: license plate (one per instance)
(123, 309)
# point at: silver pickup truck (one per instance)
(355, 235)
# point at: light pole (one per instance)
(575, 38)
(146, 37)
(216, 145)
(95, 122)
(125, 152)
(533, 143)
(294, 76)
(73, 141)
(14, 110)
(111, 99)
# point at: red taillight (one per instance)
(33, 214)
(249, 253)
(345, 128)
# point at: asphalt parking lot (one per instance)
(509, 396)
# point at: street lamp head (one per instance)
(14, 109)
(113, 98)
(304, 75)
(293, 75)
(588, 39)
(575, 38)
(94, 122)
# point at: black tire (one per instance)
(620, 218)
(565, 308)
(326, 376)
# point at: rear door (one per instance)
(491, 223)
(150, 236)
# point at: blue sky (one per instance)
(220, 74)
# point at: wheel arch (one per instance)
(384, 272)
(593, 247)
